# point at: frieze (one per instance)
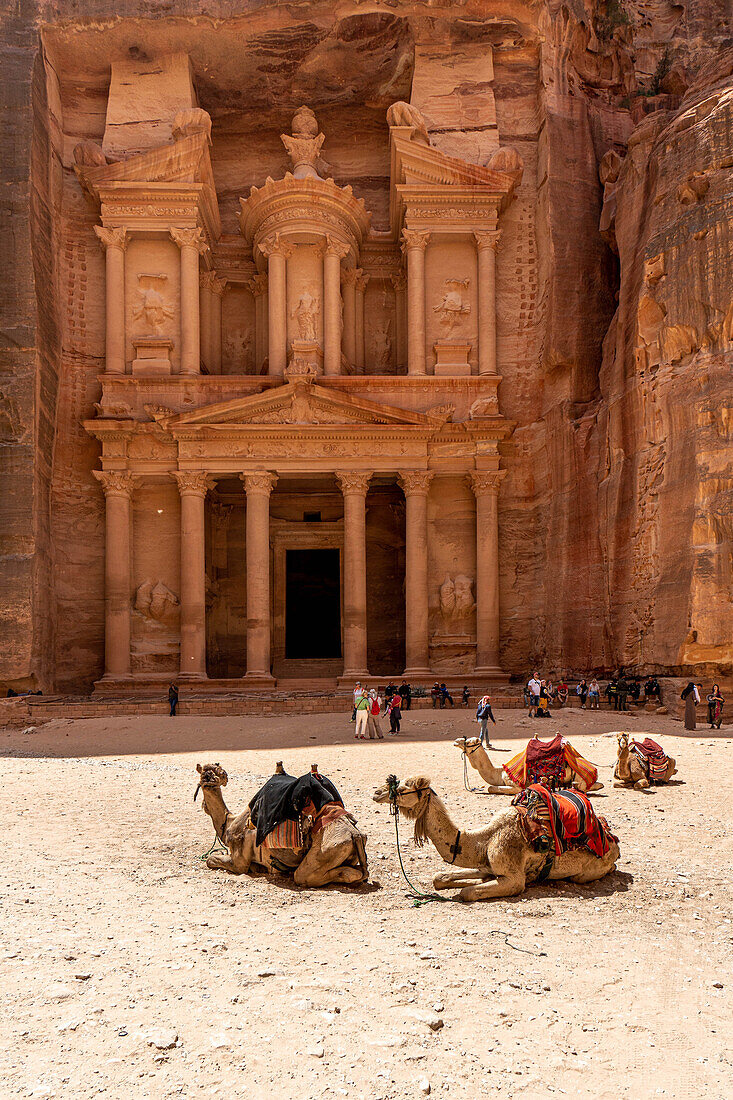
(154, 211)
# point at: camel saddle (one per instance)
(547, 763)
(562, 820)
(652, 758)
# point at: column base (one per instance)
(490, 672)
(348, 679)
(191, 677)
(417, 673)
(259, 679)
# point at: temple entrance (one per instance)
(312, 604)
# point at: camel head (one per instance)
(467, 744)
(623, 741)
(411, 797)
(211, 777)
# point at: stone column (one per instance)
(359, 351)
(218, 286)
(334, 253)
(193, 486)
(192, 244)
(416, 484)
(277, 252)
(114, 242)
(258, 487)
(118, 487)
(485, 486)
(415, 241)
(205, 297)
(399, 282)
(354, 486)
(486, 244)
(258, 286)
(348, 279)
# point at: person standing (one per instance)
(465, 696)
(622, 688)
(394, 709)
(435, 694)
(691, 696)
(483, 714)
(594, 695)
(388, 693)
(361, 704)
(582, 690)
(445, 694)
(373, 727)
(405, 693)
(612, 693)
(172, 698)
(533, 687)
(715, 707)
(357, 695)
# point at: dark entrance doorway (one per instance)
(312, 604)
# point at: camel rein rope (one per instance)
(473, 790)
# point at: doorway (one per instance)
(312, 604)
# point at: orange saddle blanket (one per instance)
(547, 762)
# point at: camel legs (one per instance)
(320, 868)
(451, 879)
(223, 863)
(502, 790)
(504, 886)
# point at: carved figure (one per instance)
(193, 120)
(383, 344)
(483, 407)
(152, 309)
(404, 114)
(456, 598)
(507, 159)
(304, 146)
(87, 154)
(156, 602)
(452, 306)
(306, 314)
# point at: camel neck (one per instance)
(444, 835)
(216, 809)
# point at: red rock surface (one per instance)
(615, 293)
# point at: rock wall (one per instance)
(615, 324)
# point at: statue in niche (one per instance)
(452, 306)
(383, 344)
(152, 309)
(156, 603)
(306, 315)
(456, 598)
(237, 344)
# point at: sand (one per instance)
(131, 970)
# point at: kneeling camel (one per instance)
(501, 861)
(336, 853)
(497, 780)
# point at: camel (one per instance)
(496, 778)
(501, 862)
(336, 853)
(630, 771)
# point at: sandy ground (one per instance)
(115, 935)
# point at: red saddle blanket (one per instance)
(653, 758)
(546, 763)
(566, 818)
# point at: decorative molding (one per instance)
(112, 238)
(190, 238)
(415, 481)
(116, 482)
(260, 481)
(482, 481)
(197, 482)
(487, 238)
(354, 481)
(415, 238)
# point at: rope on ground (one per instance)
(473, 790)
(420, 898)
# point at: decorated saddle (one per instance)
(277, 808)
(547, 763)
(562, 821)
(652, 758)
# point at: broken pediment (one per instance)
(304, 404)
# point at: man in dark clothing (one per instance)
(173, 698)
(612, 693)
(445, 694)
(405, 692)
(622, 688)
(389, 691)
(435, 695)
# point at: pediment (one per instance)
(184, 161)
(300, 404)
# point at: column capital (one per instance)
(119, 483)
(486, 481)
(259, 481)
(487, 238)
(218, 285)
(205, 279)
(399, 281)
(335, 247)
(415, 239)
(348, 276)
(415, 481)
(354, 481)
(190, 238)
(112, 238)
(196, 482)
(276, 245)
(361, 279)
(257, 285)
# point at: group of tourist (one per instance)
(368, 708)
(540, 695)
(691, 695)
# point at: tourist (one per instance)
(445, 694)
(361, 710)
(483, 714)
(435, 694)
(715, 707)
(533, 688)
(465, 696)
(691, 697)
(550, 692)
(582, 692)
(622, 690)
(375, 705)
(634, 689)
(652, 690)
(357, 695)
(562, 693)
(173, 698)
(389, 691)
(405, 693)
(612, 692)
(543, 709)
(394, 709)
(594, 695)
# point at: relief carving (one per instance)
(156, 603)
(452, 306)
(152, 310)
(456, 598)
(304, 147)
(306, 315)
